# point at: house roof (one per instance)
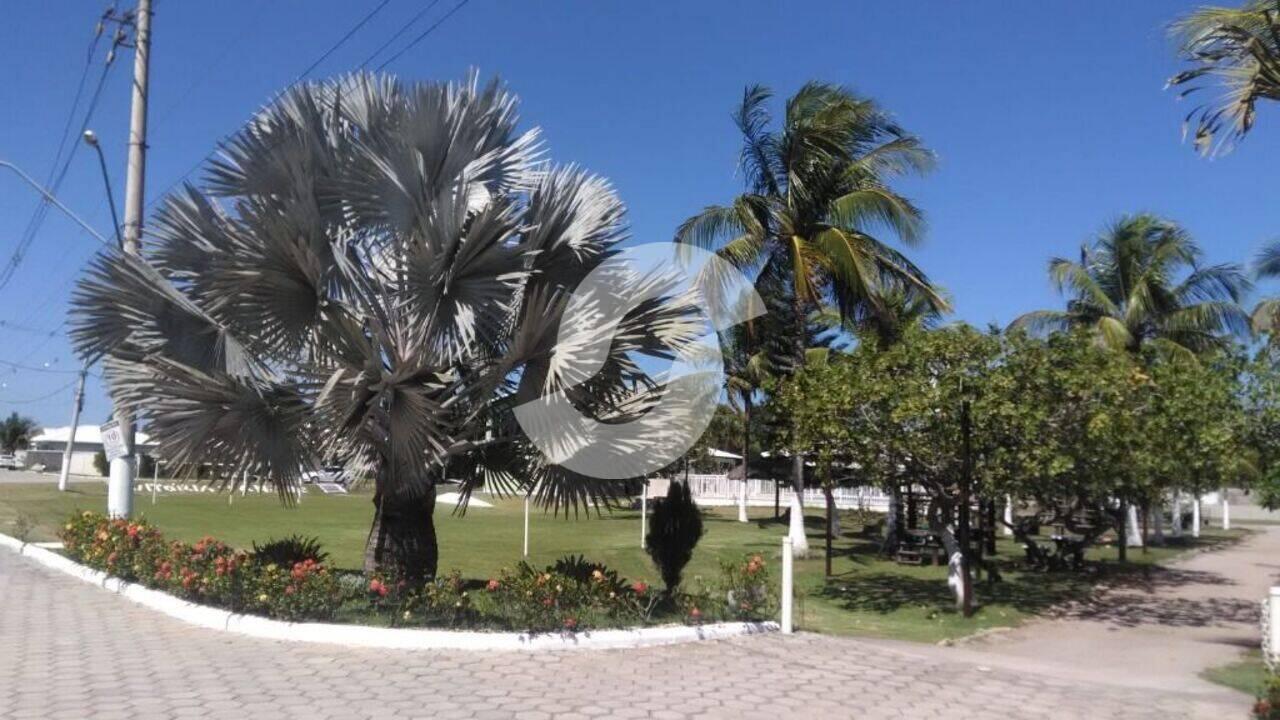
(89, 434)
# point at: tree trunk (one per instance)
(831, 522)
(746, 457)
(799, 543)
(1122, 532)
(893, 522)
(402, 541)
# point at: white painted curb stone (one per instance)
(381, 637)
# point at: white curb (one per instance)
(379, 637)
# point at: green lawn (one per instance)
(868, 595)
(1248, 674)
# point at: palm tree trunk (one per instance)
(746, 454)
(402, 540)
(799, 543)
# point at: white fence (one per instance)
(721, 490)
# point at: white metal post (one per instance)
(1273, 626)
(526, 525)
(1008, 515)
(788, 565)
(742, 500)
(644, 511)
(1226, 511)
(1195, 517)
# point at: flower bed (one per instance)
(570, 595)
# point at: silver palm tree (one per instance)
(375, 273)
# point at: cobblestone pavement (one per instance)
(71, 650)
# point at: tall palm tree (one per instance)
(376, 274)
(1141, 281)
(16, 432)
(816, 207)
(1239, 49)
(747, 368)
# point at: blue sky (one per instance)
(1048, 120)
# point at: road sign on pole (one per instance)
(113, 442)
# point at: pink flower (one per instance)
(492, 586)
(640, 587)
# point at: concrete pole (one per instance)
(788, 581)
(1008, 516)
(123, 470)
(742, 501)
(71, 436)
(1195, 517)
(1226, 511)
(799, 541)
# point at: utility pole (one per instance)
(71, 434)
(120, 488)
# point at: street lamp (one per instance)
(91, 139)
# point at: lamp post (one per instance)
(91, 139)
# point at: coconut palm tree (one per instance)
(16, 432)
(817, 207)
(1265, 318)
(1239, 49)
(376, 273)
(1141, 281)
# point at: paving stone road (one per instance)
(69, 649)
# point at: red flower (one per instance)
(639, 587)
(376, 586)
(492, 586)
(570, 623)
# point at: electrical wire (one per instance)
(343, 40)
(403, 29)
(42, 210)
(421, 37)
(54, 393)
(209, 155)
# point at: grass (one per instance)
(867, 595)
(1248, 674)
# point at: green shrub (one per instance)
(571, 594)
(1268, 705)
(100, 463)
(674, 530)
(290, 550)
(208, 571)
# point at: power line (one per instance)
(42, 210)
(421, 37)
(343, 40)
(209, 155)
(54, 393)
(31, 368)
(403, 29)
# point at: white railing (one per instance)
(710, 489)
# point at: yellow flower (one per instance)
(263, 597)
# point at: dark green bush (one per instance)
(290, 550)
(674, 530)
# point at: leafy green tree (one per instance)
(1238, 49)
(811, 223)
(376, 274)
(1141, 282)
(16, 432)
